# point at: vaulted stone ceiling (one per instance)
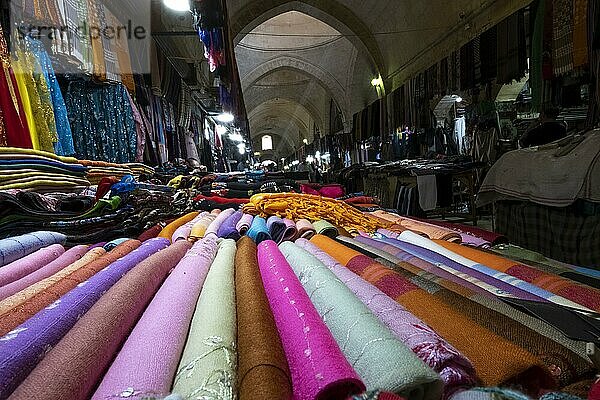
(299, 60)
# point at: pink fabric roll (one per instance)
(183, 232)
(306, 230)
(318, 368)
(244, 224)
(67, 258)
(28, 264)
(213, 228)
(216, 211)
(148, 360)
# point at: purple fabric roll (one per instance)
(213, 228)
(228, 229)
(28, 264)
(291, 232)
(23, 348)
(165, 323)
(244, 224)
(427, 260)
(183, 232)
(455, 369)
(67, 258)
(276, 228)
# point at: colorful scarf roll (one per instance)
(184, 231)
(263, 371)
(22, 348)
(258, 230)
(380, 359)
(578, 293)
(67, 258)
(228, 230)
(138, 372)
(209, 360)
(199, 228)
(318, 367)
(430, 230)
(30, 263)
(325, 228)
(17, 247)
(168, 231)
(454, 369)
(291, 232)
(411, 238)
(306, 230)
(511, 363)
(566, 358)
(81, 357)
(244, 224)
(22, 312)
(213, 228)
(276, 228)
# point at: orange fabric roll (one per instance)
(168, 230)
(497, 361)
(32, 306)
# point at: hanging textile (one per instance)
(562, 47)
(580, 40)
(512, 48)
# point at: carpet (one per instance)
(380, 359)
(78, 361)
(209, 360)
(263, 371)
(318, 367)
(140, 370)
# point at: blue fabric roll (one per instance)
(258, 230)
(111, 245)
(11, 249)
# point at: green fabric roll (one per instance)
(208, 366)
(379, 358)
(325, 228)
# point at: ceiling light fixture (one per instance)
(376, 82)
(225, 118)
(177, 5)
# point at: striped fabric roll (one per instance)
(208, 365)
(244, 224)
(184, 231)
(511, 363)
(379, 358)
(318, 367)
(81, 357)
(199, 228)
(140, 371)
(25, 346)
(48, 269)
(168, 231)
(325, 228)
(30, 263)
(306, 230)
(291, 232)
(276, 228)
(454, 369)
(17, 247)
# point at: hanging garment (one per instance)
(460, 132)
(562, 38)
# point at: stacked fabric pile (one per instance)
(28, 169)
(226, 305)
(139, 169)
(101, 169)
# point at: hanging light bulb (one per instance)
(225, 118)
(177, 5)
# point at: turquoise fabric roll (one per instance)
(259, 232)
(207, 369)
(380, 359)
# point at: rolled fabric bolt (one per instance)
(325, 228)
(213, 228)
(263, 369)
(258, 230)
(199, 228)
(291, 232)
(24, 347)
(78, 361)
(67, 258)
(244, 224)
(165, 323)
(318, 367)
(380, 359)
(455, 369)
(168, 230)
(100, 244)
(216, 211)
(14, 248)
(276, 228)
(306, 230)
(184, 231)
(228, 229)
(30, 263)
(114, 243)
(208, 364)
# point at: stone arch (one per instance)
(283, 117)
(330, 12)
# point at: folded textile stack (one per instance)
(140, 169)
(100, 169)
(40, 171)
